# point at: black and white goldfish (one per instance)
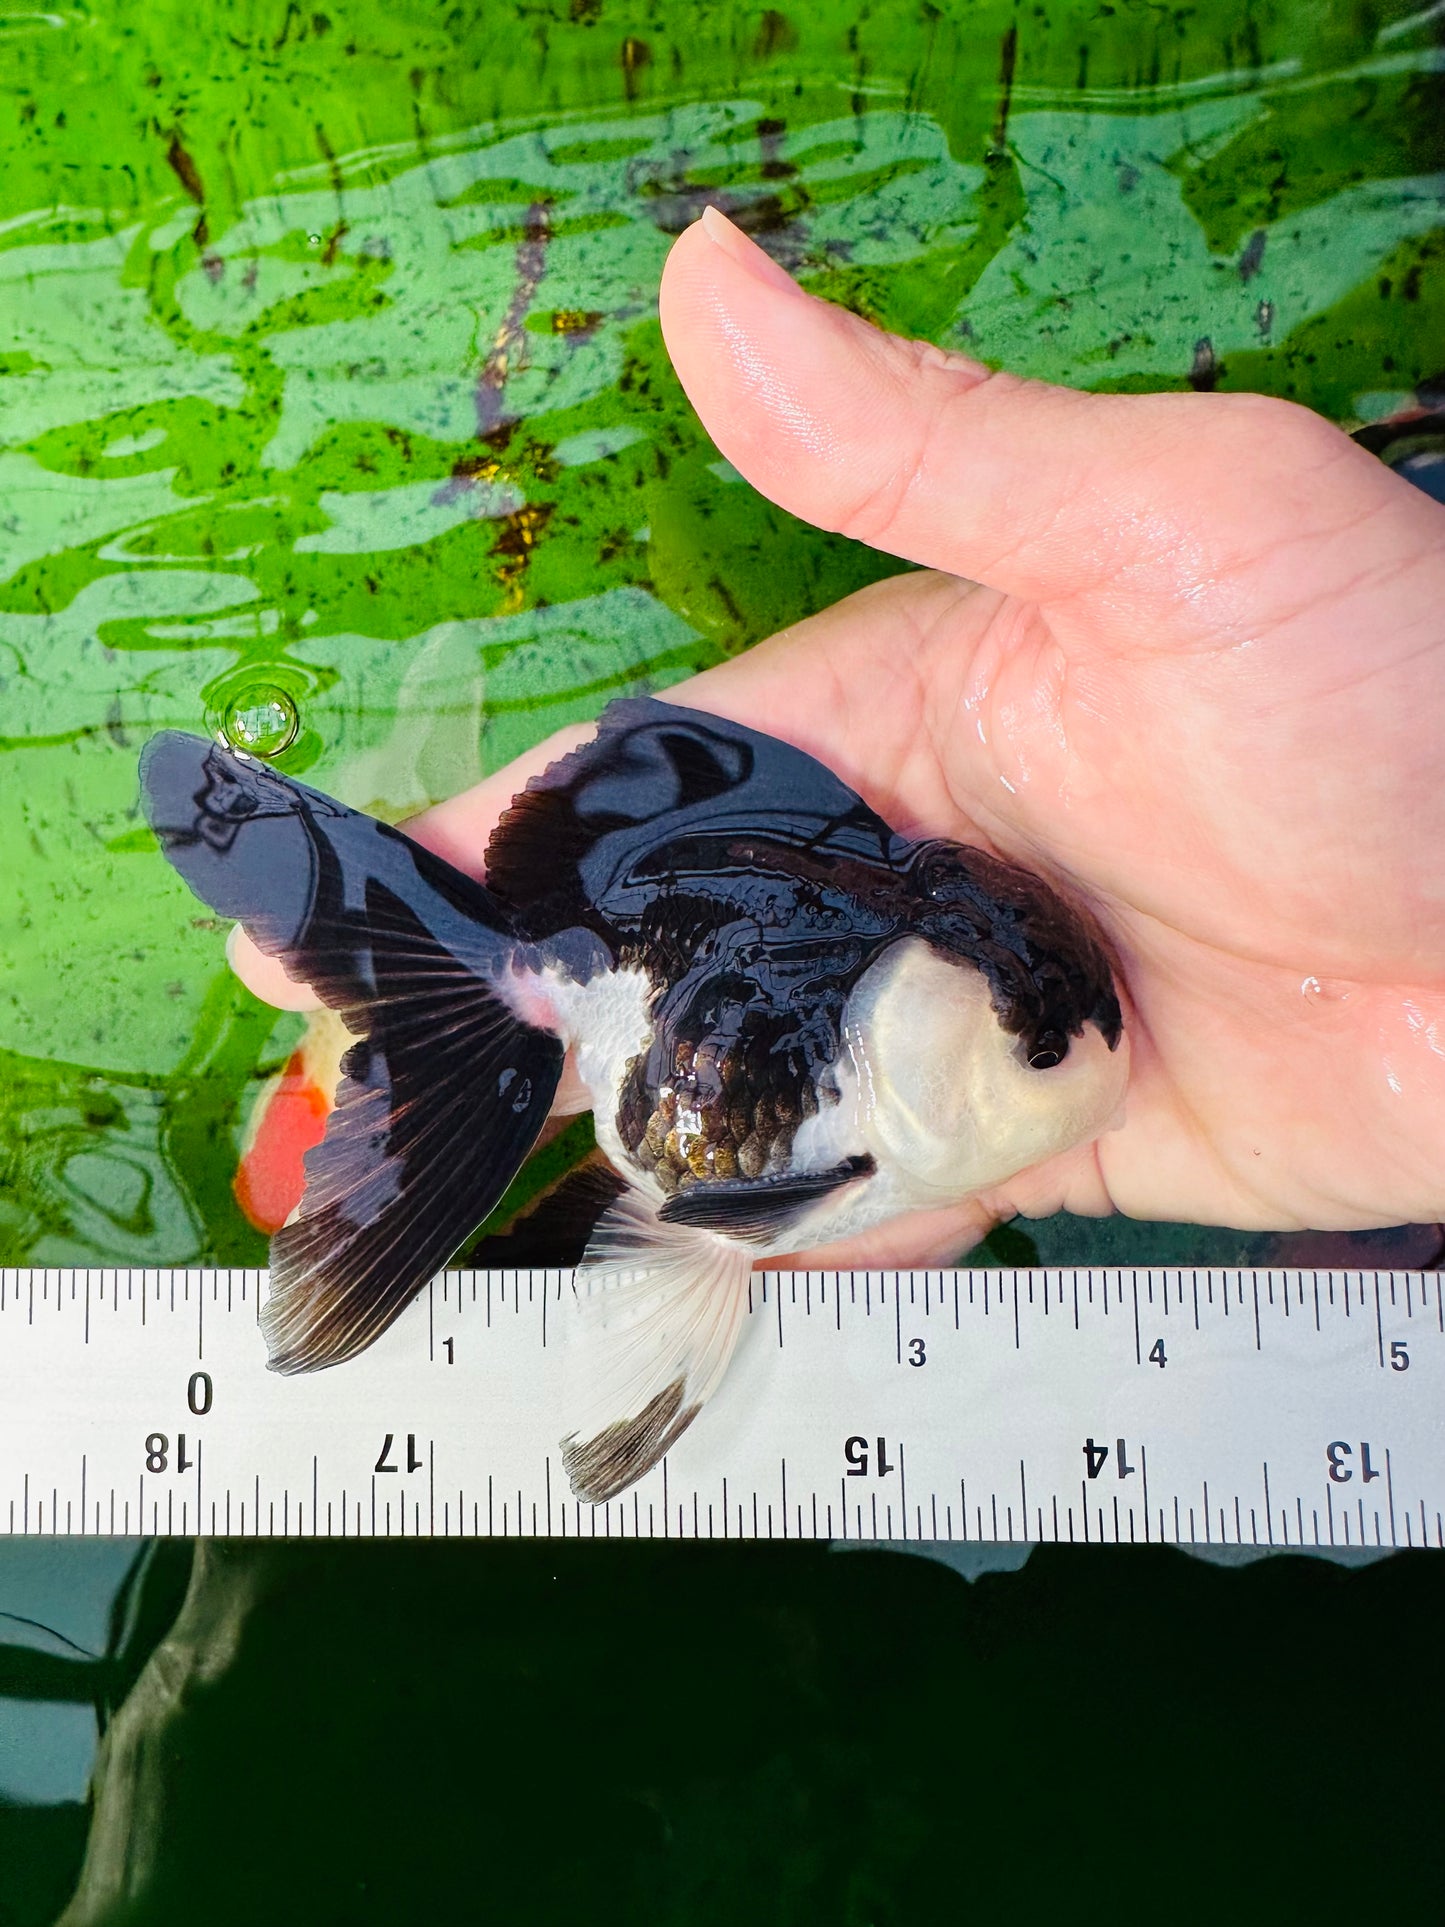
(794, 1024)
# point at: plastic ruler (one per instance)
(1111, 1406)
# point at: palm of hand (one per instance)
(1229, 748)
(1202, 686)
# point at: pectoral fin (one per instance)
(758, 1207)
(657, 1314)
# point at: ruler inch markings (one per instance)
(1263, 1432)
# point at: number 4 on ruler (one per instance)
(1096, 1457)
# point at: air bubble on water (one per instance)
(261, 721)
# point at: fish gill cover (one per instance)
(333, 406)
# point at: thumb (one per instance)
(1037, 491)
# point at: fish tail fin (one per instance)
(439, 1105)
(658, 1311)
(444, 1086)
(441, 1098)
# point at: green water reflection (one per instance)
(685, 1736)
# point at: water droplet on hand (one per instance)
(261, 720)
(1323, 994)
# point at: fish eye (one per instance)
(1048, 1050)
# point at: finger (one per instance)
(264, 977)
(460, 829)
(571, 1095)
(1071, 1182)
(1039, 491)
(923, 1238)
(871, 686)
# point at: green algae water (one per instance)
(334, 410)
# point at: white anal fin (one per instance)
(658, 1310)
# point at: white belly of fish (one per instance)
(604, 1023)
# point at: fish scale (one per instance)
(746, 1112)
(1285, 1408)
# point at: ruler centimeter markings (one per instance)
(1098, 1406)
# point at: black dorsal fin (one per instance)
(656, 786)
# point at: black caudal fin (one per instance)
(316, 884)
(445, 1090)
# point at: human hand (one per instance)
(1184, 655)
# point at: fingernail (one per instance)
(748, 255)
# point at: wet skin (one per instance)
(1184, 655)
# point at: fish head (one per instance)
(1044, 959)
(988, 1040)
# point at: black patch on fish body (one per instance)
(667, 799)
(1046, 968)
(748, 1021)
(755, 888)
